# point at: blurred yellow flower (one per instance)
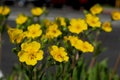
(29, 46)
(116, 15)
(96, 9)
(65, 38)
(74, 41)
(77, 26)
(93, 21)
(1, 9)
(4, 10)
(21, 19)
(53, 31)
(61, 21)
(86, 47)
(106, 26)
(34, 31)
(59, 54)
(16, 35)
(80, 45)
(30, 53)
(37, 11)
(47, 22)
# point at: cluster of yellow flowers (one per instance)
(83, 46)
(58, 36)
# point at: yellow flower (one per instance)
(116, 15)
(61, 21)
(34, 31)
(16, 35)
(86, 47)
(93, 20)
(77, 26)
(59, 54)
(47, 22)
(65, 38)
(1, 9)
(21, 19)
(96, 9)
(80, 45)
(29, 46)
(79, 42)
(29, 54)
(106, 26)
(37, 11)
(74, 41)
(4, 10)
(53, 31)
(30, 58)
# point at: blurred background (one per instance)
(75, 4)
(66, 8)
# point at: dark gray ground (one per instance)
(110, 40)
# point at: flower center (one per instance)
(32, 56)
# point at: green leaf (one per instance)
(103, 64)
(98, 48)
(103, 75)
(66, 77)
(80, 62)
(44, 78)
(116, 77)
(93, 73)
(75, 74)
(90, 74)
(80, 67)
(26, 77)
(83, 73)
(15, 50)
(1, 28)
(59, 70)
(96, 72)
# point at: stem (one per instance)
(97, 35)
(30, 72)
(35, 75)
(0, 49)
(20, 76)
(92, 62)
(115, 67)
(73, 62)
(43, 69)
(2, 24)
(94, 57)
(70, 78)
